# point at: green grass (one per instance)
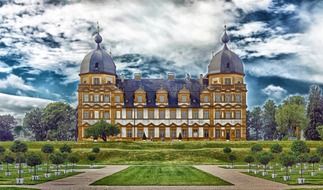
(15, 188)
(11, 180)
(161, 175)
(309, 180)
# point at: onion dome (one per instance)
(225, 61)
(98, 60)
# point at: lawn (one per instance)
(15, 188)
(11, 180)
(161, 175)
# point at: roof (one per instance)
(151, 86)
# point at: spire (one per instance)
(98, 38)
(225, 38)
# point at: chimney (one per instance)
(137, 76)
(171, 76)
(201, 79)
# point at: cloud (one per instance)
(16, 82)
(19, 105)
(252, 5)
(275, 92)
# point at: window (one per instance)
(139, 98)
(228, 65)
(217, 133)
(184, 133)
(96, 98)
(206, 133)
(151, 114)
(85, 98)
(173, 114)
(106, 115)
(96, 65)
(106, 98)
(140, 133)
(151, 133)
(173, 133)
(161, 114)
(129, 133)
(195, 114)
(129, 114)
(228, 115)
(86, 115)
(96, 81)
(140, 114)
(96, 115)
(238, 115)
(161, 98)
(217, 115)
(195, 132)
(184, 99)
(238, 134)
(206, 99)
(238, 98)
(227, 81)
(228, 98)
(162, 132)
(184, 114)
(117, 99)
(118, 115)
(218, 98)
(206, 114)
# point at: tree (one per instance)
(57, 159)
(256, 148)
(33, 160)
(8, 160)
(302, 158)
(264, 159)
(255, 122)
(33, 122)
(47, 149)
(320, 131)
(227, 150)
(91, 158)
(65, 149)
(101, 129)
(287, 160)
(74, 159)
(269, 122)
(96, 150)
(290, 117)
(60, 119)
(314, 113)
(319, 151)
(313, 160)
(232, 158)
(299, 147)
(19, 149)
(7, 123)
(249, 159)
(276, 148)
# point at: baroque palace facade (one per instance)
(211, 107)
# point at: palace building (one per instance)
(212, 107)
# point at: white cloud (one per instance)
(19, 105)
(15, 81)
(275, 92)
(252, 5)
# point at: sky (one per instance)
(42, 44)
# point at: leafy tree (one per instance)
(60, 119)
(319, 151)
(313, 160)
(2, 150)
(314, 113)
(19, 148)
(290, 116)
(276, 148)
(249, 134)
(227, 150)
(101, 129)
(8, 160)
(47, 149)
(256, 148)
(232, 158)
(249, 159)
(299, 147)
(96, 150)
(255, 122)
(287, 160)
(65, 149)
(91, 158)
(7, 123)
(33, 160)
(57, 159)
(264, 159)
(269, 122)
(74, 159)
(33, 123)
(302, 158)
(320, 131)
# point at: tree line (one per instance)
(296, 116)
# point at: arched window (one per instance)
(96, 65)
(228, 65)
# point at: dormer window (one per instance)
(227, 81)
(206, 99)
(96, 66)
(96, 81)
(184, 98)
(228, 65)
(162, 99)
(117, 99)
(139, 99)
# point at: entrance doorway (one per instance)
(227, 134)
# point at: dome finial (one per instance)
(225, 38)
(98, 38)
